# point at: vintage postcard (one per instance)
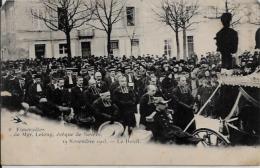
(130, 82)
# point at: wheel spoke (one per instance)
(210, 137)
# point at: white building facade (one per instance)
(24, 36)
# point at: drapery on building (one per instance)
(24, 36)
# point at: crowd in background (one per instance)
(95, 89)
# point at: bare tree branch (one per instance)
(73, 14)
(107, 13)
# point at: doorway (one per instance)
(39, 51)
(86, 49)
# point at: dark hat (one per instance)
(119, 69)
(36, 76)
(226, 17)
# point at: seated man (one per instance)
(35, 91)
(100, 83)
(165, 131)
(105, 109)
(92, 91)
(147, 106)
(61, 99)
(17, 92)
(83, 111)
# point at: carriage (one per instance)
(240, 123)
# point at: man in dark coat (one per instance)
(92, 92)
(227, 41)
(17, 91)
(35, 91)
(83, 111)
(125, 99)
(105, 109)
(182, 103)
(102, 85)
(164, 129)
(147, 106)
(110, 78)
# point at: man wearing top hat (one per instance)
(227, 41)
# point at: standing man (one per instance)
(227, 41)
(125, 98)
(182, 103)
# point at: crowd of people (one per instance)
(166, 92)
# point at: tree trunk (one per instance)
(108, 43)
(68, 44)
(184, 44)
(177, 44)
(131, 44)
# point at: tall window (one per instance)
(190, 45)
(168, 47)
(63, 48)
(130, 13)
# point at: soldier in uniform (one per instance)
(227, 41)
(164, 128)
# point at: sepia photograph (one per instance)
(130, 82)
